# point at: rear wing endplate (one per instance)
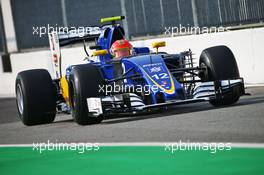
(63, 38)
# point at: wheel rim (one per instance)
(20, 100)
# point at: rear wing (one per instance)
(64, 38)
(58, 39)
(76, 36)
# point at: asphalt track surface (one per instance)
(199, 122)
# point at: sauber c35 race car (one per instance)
(142, 82)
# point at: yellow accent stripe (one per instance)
(64, 88)
(114, 18)
(169, 91)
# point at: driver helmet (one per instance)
(121, 48)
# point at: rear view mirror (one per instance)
(99, 53)
(159, 44)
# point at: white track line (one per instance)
(143, 144)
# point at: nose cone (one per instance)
(157, 76)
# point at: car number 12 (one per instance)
(160, 76)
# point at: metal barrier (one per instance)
(144, 17)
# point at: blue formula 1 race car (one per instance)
(141, 82)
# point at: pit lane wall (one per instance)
(247, 46)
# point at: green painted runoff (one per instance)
(130, 161)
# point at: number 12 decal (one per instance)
(160, 76)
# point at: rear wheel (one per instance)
(220, 64)
(35, 97)
(85, 81)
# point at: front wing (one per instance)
(204, 91)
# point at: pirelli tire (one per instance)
(85, 81)
(35, 97)
(221, 65)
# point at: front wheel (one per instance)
(84, 83)
(220, 64)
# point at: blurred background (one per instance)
(144, 17)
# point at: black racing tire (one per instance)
(85, 81)
(221, 64)
(35, 97)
